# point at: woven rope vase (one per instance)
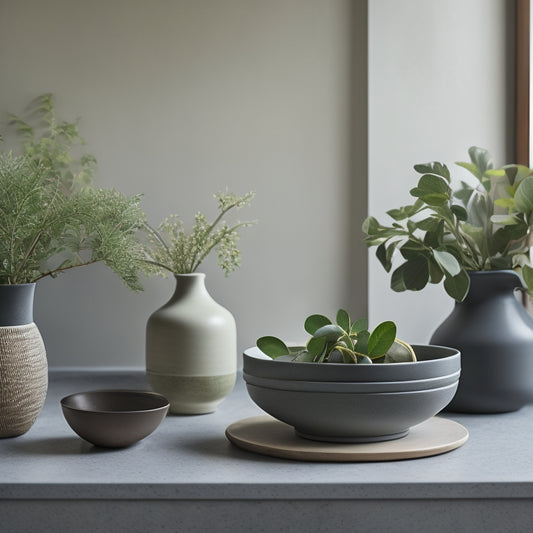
(23, 365)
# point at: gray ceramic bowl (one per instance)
(432, 362)
(354, 386)
(114, 418)
(352, 417)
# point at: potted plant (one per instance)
(475, 238)
(191, 351)
(47, 227)
(348, 384)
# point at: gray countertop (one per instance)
(189, 457)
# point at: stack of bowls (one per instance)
(339, 402)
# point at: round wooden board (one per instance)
(267, 436)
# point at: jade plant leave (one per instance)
(342, 342)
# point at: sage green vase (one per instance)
(191, 349)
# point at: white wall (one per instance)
(180, 99)
(440, 80)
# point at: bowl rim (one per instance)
(402, 393)
(140, 392)
(457, 374)
(454, 353)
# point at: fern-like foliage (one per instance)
(171, 249)
(54, 144)
(44, 231)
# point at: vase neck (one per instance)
(485, 285)
(189, 285)
(16, 304)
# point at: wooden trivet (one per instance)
(267, 436)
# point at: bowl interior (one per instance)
(115, 401)
(432, 361)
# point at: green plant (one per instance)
(44, 231)
(53, 144)
(343, 342)
(446, 233)
(171, 249)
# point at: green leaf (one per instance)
(433, 239)
(428, 224)
(359, 325)
(406, 211)
(505, 220)
(507, 202)
(435, 272)
(314, 322)
(362, 342)
(413, 249)
(457, 286)
(447, 262)
(412, 275)
(503, 236)
(315, 346)
(479, 210)
(501, 263)
(524, 196)
(381, 339)
(370, 226)
(432, 189)
(304, 357)
(481, 158)
(330, 332)
(471, 168)
(527, 273)
(384, 255)
(272, 346)
(434, 168)
(460, 212)
(343, 320)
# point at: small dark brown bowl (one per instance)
(114, 418)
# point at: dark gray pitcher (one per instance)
(494, 333)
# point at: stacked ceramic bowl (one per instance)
(353, 403)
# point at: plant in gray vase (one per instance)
(475, 238)
(191, 351)
(447, 232)
(48, 226)
(343, 342)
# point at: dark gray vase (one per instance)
(494, 333)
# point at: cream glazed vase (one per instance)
(191, 349)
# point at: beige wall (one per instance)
(441, 79)
(182, 98)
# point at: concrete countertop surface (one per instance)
(189, 458)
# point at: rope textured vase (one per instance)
(23, 365)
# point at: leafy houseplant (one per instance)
(343, 342)
(447, 232)
(191, 342)
(44, 232)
